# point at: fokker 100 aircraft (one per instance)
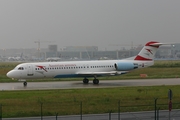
(85, 69)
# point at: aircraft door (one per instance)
(30, 70)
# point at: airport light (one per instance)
(38, 42)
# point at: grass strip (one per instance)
(94, 101)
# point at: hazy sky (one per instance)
(100, 23)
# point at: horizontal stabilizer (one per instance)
(158, 44)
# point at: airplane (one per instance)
(16, 58)
(86, 69)
(53, 59)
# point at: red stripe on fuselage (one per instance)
(142, 58)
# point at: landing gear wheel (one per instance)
(85, 81)
(96, 81)
(25, 84)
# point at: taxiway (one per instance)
(79, 84)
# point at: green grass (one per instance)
(102, 100)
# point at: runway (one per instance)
(79, 84)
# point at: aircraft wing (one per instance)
(102, 73)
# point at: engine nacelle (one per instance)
(125, 66)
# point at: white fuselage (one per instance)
(75, 68)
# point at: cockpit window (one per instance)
(20, 68)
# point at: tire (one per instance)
(85, 81)
(96, 81)
(25, 83)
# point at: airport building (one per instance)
(92, 53)
(86, 53)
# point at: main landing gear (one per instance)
(96, 81)
(86, 81)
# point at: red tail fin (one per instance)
(148, 51)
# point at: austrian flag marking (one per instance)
(149, 50)
(42, 67)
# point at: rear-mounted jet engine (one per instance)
(125, 66)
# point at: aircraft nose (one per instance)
(10, 74)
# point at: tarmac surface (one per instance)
(79, 84)
(144, 115)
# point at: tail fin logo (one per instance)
(150, 51)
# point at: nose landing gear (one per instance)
(25, 84)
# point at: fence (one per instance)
(82, 109)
